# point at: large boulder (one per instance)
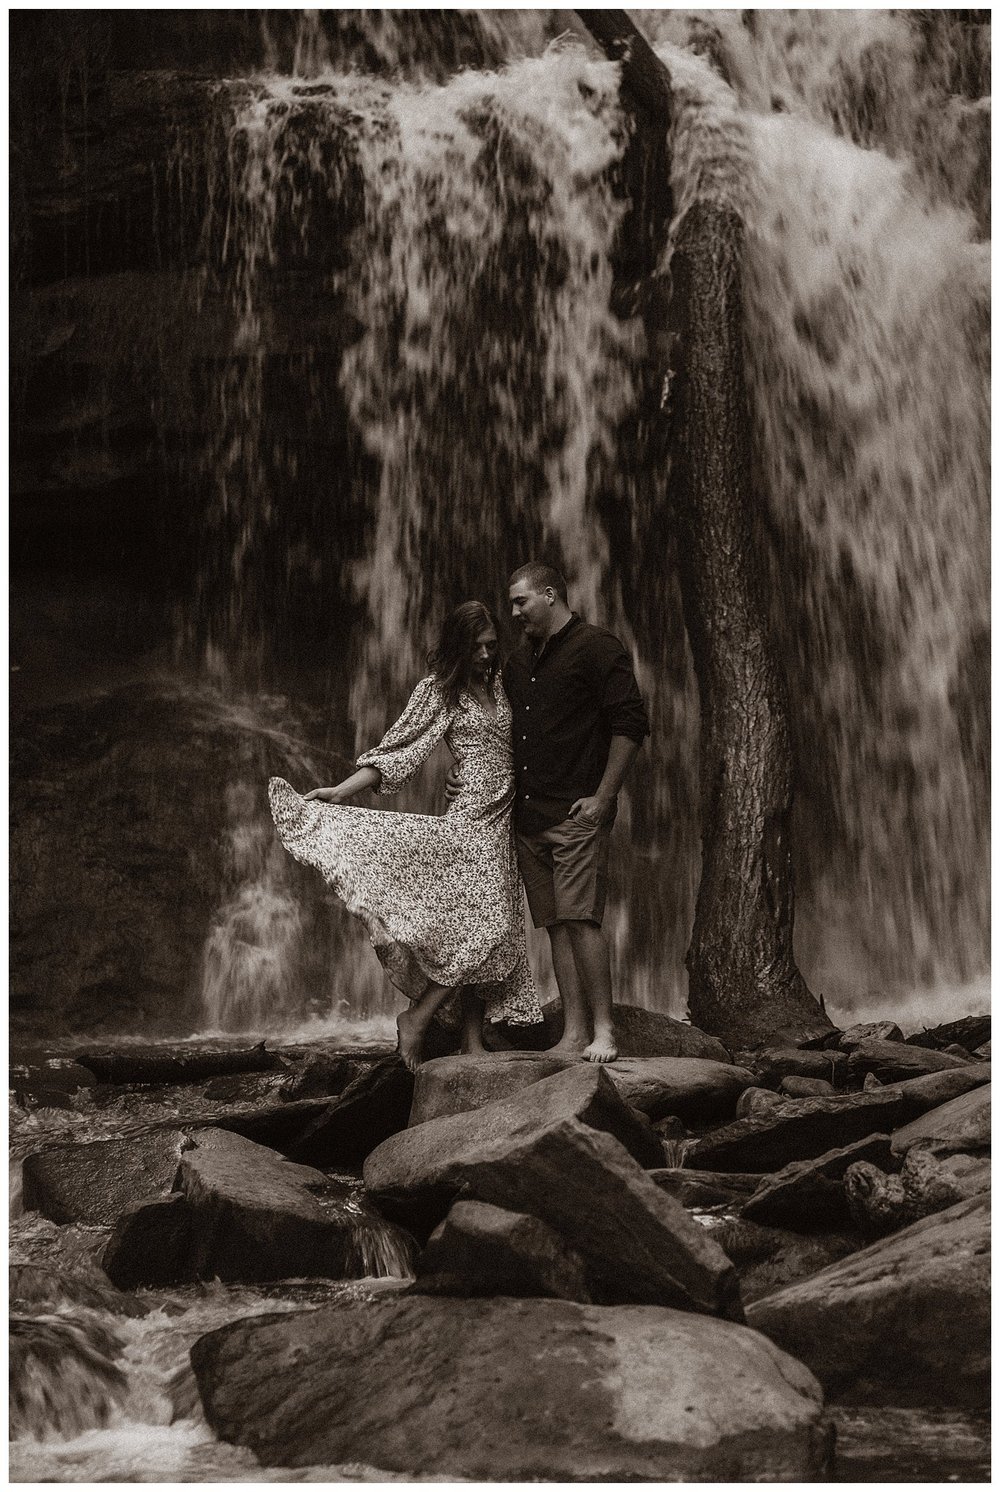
(971, 1031)
(869, 1031)
(152, 1244)
(179, 1063)
(801, 1129)
(257, 1216)
(638, 1243)
(484, 1250)
(95, 1183)
(962, 1124)
(639, 1033)
(691, 1087)
(374, 1105)
(904, 1321)
(425, 1166)
(514, 1390)
(893, 1061)
(809, 1194)
(937, 1088)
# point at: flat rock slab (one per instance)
(514, 1390)
(904, 1321)
(484, 1250)
(95, 1183)
(801, 1129)
(871, 1031)
(938, 1088)
(962, 1124)
(809, 1194)
(690, 1087)
(892, 1061)
(639, 1033)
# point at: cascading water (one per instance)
(452, 243)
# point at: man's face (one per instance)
(530, 609)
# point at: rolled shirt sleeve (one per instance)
(622, 706)
(406, 745)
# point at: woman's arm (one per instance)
(365, 777)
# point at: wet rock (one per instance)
(983, 1052)
(766, 1258)
(690, 1087)
(793, 1087)
(705, 1188)
(640, 1033)
(95, 1183)
(971, 1031)
(881, 1203)
(484, 1250)
(153, 1244)
(424, 1167)
(374, 1105)
(35, 1288)
(872, 1031)
(458, 1084)
(773, 1065)
(64, 1376)
(892, 1061)
(174, 1064)
(904, 1321)
(809, 1194)
(256, 1215)
(801, 1129)
(937, 1088)
(807, 1035)
(247, 1088)
(513, 1390)
(962, 1124)
(48, 1082)
(754, 1101)
(319, 1075)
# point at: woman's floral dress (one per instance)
(439, 896)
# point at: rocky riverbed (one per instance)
(233, 1262)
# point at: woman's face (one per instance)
(484, 650)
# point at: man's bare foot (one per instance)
(602, 1048)
(570, 1046)
(409, 1038)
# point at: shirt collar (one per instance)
(556, 637)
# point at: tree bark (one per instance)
(744, 983)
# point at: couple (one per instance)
(550, 737)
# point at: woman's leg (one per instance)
(472, 1024)
(412, 1024)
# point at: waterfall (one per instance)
(429, 379)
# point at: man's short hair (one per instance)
(539, 577)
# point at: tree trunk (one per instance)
(744, 983)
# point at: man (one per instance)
(577, 722)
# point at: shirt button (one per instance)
(524, 738)
(524, 769)
(527, 707)
(532, 678)
(526, 797)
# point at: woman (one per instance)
(440, 896)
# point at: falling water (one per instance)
(467, 376)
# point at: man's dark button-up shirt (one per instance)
(567, 702)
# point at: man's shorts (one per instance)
(565, 871)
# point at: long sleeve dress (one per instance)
(439, 896)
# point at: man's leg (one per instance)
(576, 1011)
(593, 963)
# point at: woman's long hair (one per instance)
(451, 661)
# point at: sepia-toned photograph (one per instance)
(499, 774)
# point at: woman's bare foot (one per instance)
(409, 1038)
(603, 1047)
